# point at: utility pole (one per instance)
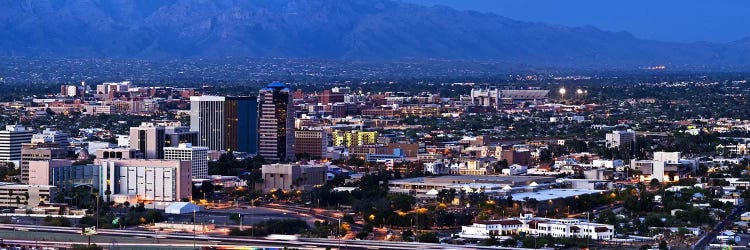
(252, 227)
(156, 233)
(97, 211)
(588, 220)
(194, 232)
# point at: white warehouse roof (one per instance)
(182, 208)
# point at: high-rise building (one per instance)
(207, 117)
(242, 124)
(276, 129)
(187, 152)
(11, 140)
(225, 123)
(311, 142)
(149, 139)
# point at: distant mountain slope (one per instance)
(338, 29)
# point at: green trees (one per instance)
(229, 165)
(663, 245)
(56, 221)
(235, 217)
(491, 241)
(403, 202)
(325, 229)
(654, 183)
(428, 237)
(136, 215)
(607, 217)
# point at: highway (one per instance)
(221, 241)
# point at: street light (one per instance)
(562, 93)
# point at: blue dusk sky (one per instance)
(717, 21)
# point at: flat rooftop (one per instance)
(551, 194)
(6, 185)
(466, 179)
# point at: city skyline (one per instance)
(374, 124)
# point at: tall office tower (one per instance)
(51, 136)
(149, 139)
(207, 117)
(198, 156)
(276, 127)
(225, 123)
(241, 124)
(11, 140)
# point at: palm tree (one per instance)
(107, 193)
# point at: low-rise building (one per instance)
(145, 180)
(396, 156)
(665, 167)
(538, 226)
(24, 196)
(292, 176)
(483, 229)
(31, 152)
(118, 153)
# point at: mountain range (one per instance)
(369, 30)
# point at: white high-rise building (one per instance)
(10, 142)
(198, 156)
(207, 117)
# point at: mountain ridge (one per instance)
(330, 29)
